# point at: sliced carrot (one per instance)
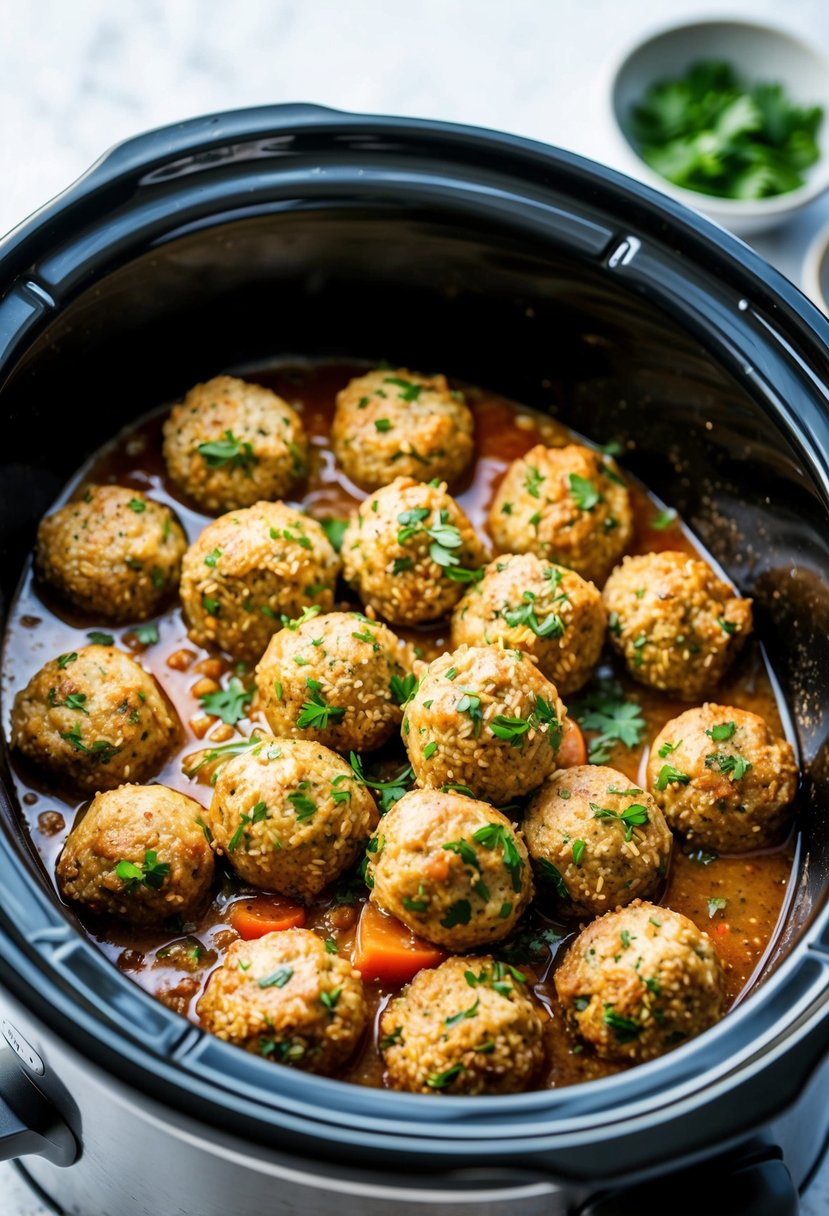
(265, 914)
(573, 749)
(387, 951)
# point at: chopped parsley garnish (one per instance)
(463, 1015)
(533, 480)
(716, 904)
(402, 688)
(440, 1080)
(702, 857)
(147, 635)
(230, 704)
(334, 529)
(390, 791)
(409, 391)
(430, 749)
(277, 979)
(721, 732)
(663, 519)
(583, 492)
(257, 814)
(551, 626)
(734, 766)
(382, 425)
(304, 806)
(137, 505)
(230, 452)
(211, 605)
(625, 1029)
(329, 999)
(615, 720)
(668, 775)
(212, 558)
(726, 626)
(100, 639)
(389, 1040)
(307, 614)
(493, 835)
(65, 659)
(549, 874)
(578, 851)
(459, 913)
(635, 816)
(667, 748)
(151, 873)
(316, 713)
(469, 703)
(236, 747)
(465, 851)
(415, 905)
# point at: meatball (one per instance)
(250, 568)
(486, 719)
(229, 444)
(409, 550)
(722, 778)
(284, 997)
(290, 816)
(568, 505)
(547, 611)
(598, 841)
(465, 1027)
(401, 424)
(113, 552)
(674, 622)
(140, 853)
(452, 869)
(637, 982)
(94, 719)
(337, 679)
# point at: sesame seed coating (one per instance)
(153, 828)
(94, 719)
(389, 555)
(568, 505)
(547, 611)
(112, 552)
(285, 998)
(249, 568)
(454, 870)
(484, 718)
(727, 782)
(444, 1034)
(607, 840)
(400, 423)
(674, 622)
(338, 673)
(290, 816)
(229, 444)
(637, 982)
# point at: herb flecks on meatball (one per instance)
(675, 623)
(454, 870)
(723, 779)
(113, 552)
(638, 982)
(545, 610)
(399, 423)
(230, 444)
(250, 569)
(465, 1027)
(568, 505)
(596, 841)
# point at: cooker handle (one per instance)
(764, 1188)
(29, 1123)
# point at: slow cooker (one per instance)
(224, 241)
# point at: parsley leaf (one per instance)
(230, 452)
(614, 720)
(230, 704)
(151, 873)
(334, 529)
(583, 492)
(316, 713)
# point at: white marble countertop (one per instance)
(77, 77)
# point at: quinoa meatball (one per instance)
(486, 719)
(454, 870)
(229, 444)
(600, 842)
(290, 816)
(568, 505)
(722, 778)
(112, 552)
(138, 853)
(94, 719)
(547, 611)
(465, 1027)
(677, 626)
(391, 424)
(248, 569)
(409, 550)
(336, 678)
(637, 982)
(284, 997)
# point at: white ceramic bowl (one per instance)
(815, 273)
(759, 53)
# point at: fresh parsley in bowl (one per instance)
(728, 117)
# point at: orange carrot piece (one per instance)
(385, 950)
(265, 914)
(573, 749)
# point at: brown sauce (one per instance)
(754, 886)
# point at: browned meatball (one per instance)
(453, 869)
(94, 719)
(286, 998)
(338, 678)
(140, 853)
(567, 505)
(674, 622)
(637, 982)
(401, 424)
(723, 779)
(545, 610)
(409, 551)
(465, 1027)
(230, 444)
(112, 552)
(485, 719)
(597, 840)
(251, 568)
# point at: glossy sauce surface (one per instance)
(174, 964)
